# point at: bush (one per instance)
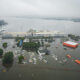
(8, 58)
(74, 37)
(1, 52)
(20, 58)
(5, 45)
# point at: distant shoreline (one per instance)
(2, 22)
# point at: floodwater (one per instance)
(58, 66)
(16, 24)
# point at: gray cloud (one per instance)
(40, 8)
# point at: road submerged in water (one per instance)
(58, 66)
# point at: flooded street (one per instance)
(39, 39)
(55, 66)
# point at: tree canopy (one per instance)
(32, 46)
(5, 45)
(1, 52)
(8, 58)
(19, 38)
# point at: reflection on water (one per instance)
(24, 24)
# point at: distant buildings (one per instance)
(35, 33)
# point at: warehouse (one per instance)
(70, 44)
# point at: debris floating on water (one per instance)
(55, 57)
(45, 61)
(30, 60)
(69, 56)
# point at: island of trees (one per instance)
(2, 22)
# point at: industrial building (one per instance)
(70, 44)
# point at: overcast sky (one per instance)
(40, 8)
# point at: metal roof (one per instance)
(70, 42)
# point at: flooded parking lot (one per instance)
(55, 66)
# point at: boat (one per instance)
(77, 61)
(69, 56)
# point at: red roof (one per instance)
(70, 44)
(77, 61)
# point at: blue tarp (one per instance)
(21, 42)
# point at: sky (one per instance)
(40, 8)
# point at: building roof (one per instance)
(71, 43)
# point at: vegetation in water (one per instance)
(20, 58)
(1, 52)
(5, 45)
(8, 58)
(74, 37)
(19, 38)
(31, 46)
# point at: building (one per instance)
(70, 44)
(46, 33)
(26, 40)
(35, 33)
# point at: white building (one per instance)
(47, 33)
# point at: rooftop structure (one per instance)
(47, 33)
(70, 44)
(36, 33)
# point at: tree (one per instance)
(8, 58)
(30, 46)
(1, 52)
(19, 38)
(38, 44)
(20, 58)
(5, 45)
(42, 43)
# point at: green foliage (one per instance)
(1, 52)
(18, 43)
(40, 37)
(31, 46)
(30, 39)
(74, 37)
(42, 43)
(38, 43)
(5, 45)
(8, 58)
(20, 58)
(19, 38)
